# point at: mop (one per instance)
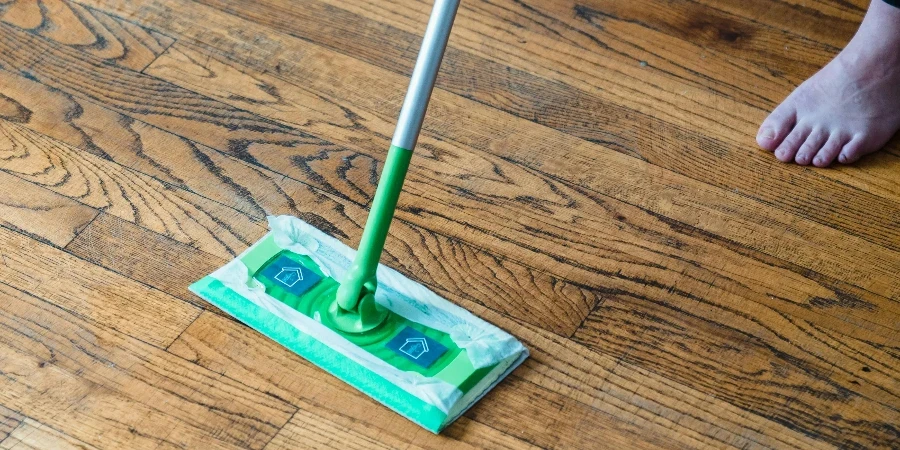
(384, 334)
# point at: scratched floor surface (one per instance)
(587, 179)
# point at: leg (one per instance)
(851, 107)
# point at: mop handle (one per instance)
(425, 72)
(361, 276)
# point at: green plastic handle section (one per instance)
(360, 281)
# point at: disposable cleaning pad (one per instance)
(429, 360)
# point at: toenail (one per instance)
(767, 133)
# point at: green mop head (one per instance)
(429, 360)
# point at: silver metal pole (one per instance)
(425, 72)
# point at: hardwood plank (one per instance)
(121, 392)
(691, 51)
(611, 387)
(309, 429)
(89, 410)
(91, 292)
(676, 288)
(236, 351)
(790, 56)
(9, 421)
(99, 34)
(90, 126)
(41, 213)
(724, 42)
(829, 22)
(320, 427)
(607, 384)
(125, 248)
(846, 395)
(541, 31)
(32, 435)
(102, 184)
(251, 353)
(556, 304)
(617, 387)
(623, 80)
(532, 25)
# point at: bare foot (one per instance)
(851, 107)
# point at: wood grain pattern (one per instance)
(553, 304)
(677, 287)
(9, 421)
(89, 291)
(829, 22)
(292, 382)
(153, 259)
(223, 346)
(145, 397)
(94, 32)
(257, 191)
(717, 36)
(577, 314)
(99, 183)
(209, 122)
(183, 15)
(41, 213)
(790, 391)
(33, 435)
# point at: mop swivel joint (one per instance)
(354, 309)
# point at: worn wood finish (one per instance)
(31, 435)
(586, 179)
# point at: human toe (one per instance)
(788, 148)
(852, 151)
(775, 128)
(811, 146)
(829, 151)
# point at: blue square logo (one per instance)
(416, 347)
(290, 275)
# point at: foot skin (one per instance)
(851, 107)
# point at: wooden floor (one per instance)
(587, 180)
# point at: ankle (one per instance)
(881, 27)
(877, 42)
